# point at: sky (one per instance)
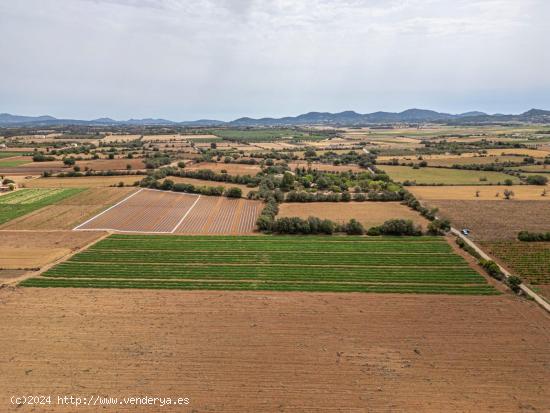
(223, 59)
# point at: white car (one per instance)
(465, 231)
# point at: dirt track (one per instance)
(257, 352)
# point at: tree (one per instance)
(399, 227)
(439, 227)
(508, 194)
(233, 192)
(537, 180)
(288, 181)
(353, 227)
(514, 282)
(310, 153)
(69, 161)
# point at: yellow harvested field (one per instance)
(120, 138)
(34, 249)
(519, 151)
(367, 213)
(414, 158)
(231, 168)
(464, 160)
(521, 192)
(83, 181)
(71, 211)
(191, 137)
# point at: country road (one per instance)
(543, 303)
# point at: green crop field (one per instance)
(10, 154)
(12, 163)
(434, 176)
(338, 264)
(22, 202)
(265, 135)
(529, 260)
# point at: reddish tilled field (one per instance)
(169, 212)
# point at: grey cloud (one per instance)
(227, 58)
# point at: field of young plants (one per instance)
(22, 202)
(530, 260)
(337, 264)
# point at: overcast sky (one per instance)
(223, 59)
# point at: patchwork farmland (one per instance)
(22, 202)
(337, 264)
(169, 212)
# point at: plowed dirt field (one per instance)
(275, 352)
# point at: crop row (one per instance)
(130, 268)
(28, 196)
(11, 209)
(265, 246)
(273, 274)
(261, 286)
(279, 238)
(326, 258)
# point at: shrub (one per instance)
(439, 227)
(514, 282)
(533, 236)
(462, 244)
(398, 227)
(353, 227)
(537, 180)
(40, 157)
(233, 192)
(492, 269)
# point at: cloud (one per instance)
(227, 58)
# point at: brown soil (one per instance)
(70, 212)
(368, 213)
(544, 290)
(268, 352)
(495, 220)
(231, 168)
(33, 249)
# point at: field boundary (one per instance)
(545, 305)
(172, 231)
(185, 215)
(77, 228)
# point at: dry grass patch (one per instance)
(83, 181)
(433, 176)
(32, 249)
(521, 192)
(368, 213)
(231, 168)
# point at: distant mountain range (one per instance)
(347, 118)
